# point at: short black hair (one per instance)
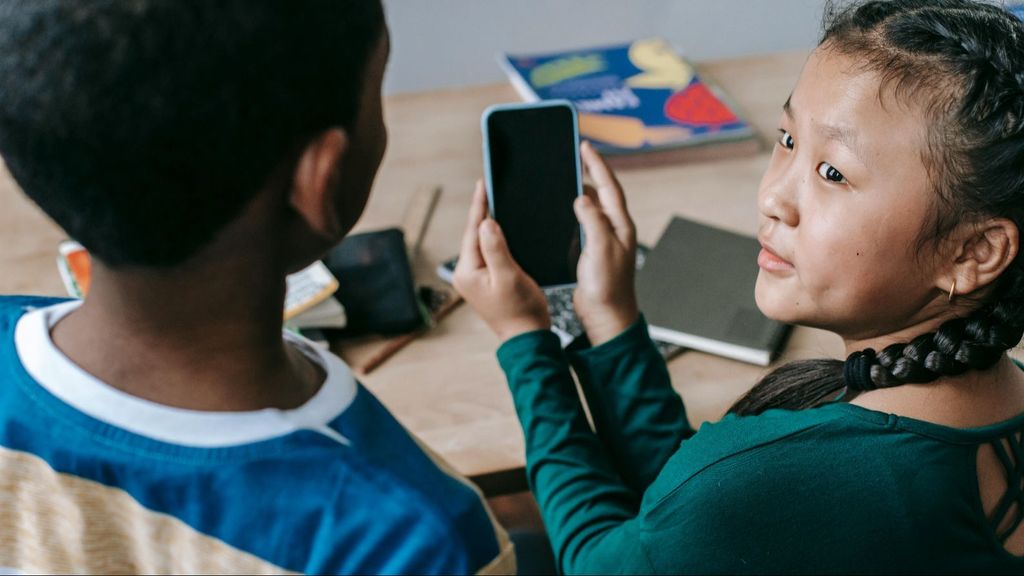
(142, 127)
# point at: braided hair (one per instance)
(964, 60)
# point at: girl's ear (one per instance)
(981, 255)
(315, 181)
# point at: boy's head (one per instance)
(143, 127)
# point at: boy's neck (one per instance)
(209, 339)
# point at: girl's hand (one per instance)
(508, 300)
(605, 299)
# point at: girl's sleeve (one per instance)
(639, 418)
(588, 508)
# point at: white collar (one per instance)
(67, 381)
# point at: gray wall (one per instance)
(450, 43)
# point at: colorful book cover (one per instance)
(635, 97)
(75, 268)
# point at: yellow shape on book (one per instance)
(662, 67)
(626, 131)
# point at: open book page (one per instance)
(307, 288)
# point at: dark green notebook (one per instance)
(697, 290)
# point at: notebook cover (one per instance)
(375, 284)
(640, 103)
(696, 289)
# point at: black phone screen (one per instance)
(535, 179)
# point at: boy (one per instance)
(201, 151)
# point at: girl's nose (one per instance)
(777, 197)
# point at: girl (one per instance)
(890, 213)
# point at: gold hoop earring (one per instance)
(952, 290)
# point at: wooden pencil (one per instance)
(395, 344)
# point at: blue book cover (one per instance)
(631, 98)
(1017, 9)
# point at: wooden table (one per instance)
(446, 386)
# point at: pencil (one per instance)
(392, 346)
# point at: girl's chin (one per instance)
(778, 304)
(780, 314)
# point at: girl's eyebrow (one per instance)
(842, 134)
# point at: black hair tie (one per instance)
(857, 370)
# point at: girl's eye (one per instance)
(786, 140)
(826, 171)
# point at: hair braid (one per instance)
(973, 343)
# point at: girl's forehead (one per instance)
(839, 82)
(842, 100)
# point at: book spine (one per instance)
(733, 351)
(722, 149)
(522, 87)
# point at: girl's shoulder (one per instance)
(736, 435)
(832, 478)
(840, 422)
(825, 446)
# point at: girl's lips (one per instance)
(771, 262)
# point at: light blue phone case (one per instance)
(524, 106)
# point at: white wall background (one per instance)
(450, 43)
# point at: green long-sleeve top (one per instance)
(833, 489)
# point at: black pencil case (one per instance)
(376, 285)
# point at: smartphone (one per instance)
(533, 174)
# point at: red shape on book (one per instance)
(695, 104)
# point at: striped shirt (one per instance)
(94, 480)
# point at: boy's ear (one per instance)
(982, 255)
(315, 181)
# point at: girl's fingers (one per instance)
(597, 229)
(470, 255)
(609, 193)
(495, 250)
